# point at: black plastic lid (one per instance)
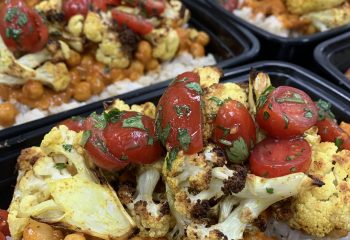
(280, 73)
(333, 56)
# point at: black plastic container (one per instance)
(230, 46)
(280, 74)
(333, 57)
(297, 50)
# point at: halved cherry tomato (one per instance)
(330, 131)
(4, 227)
(179, 117)
(279, 157)
(96, 146)
(135, 23)
(2, 236)
(101, 5)
(132, 139)
(74, 123)
(151, 7)
(22, 28)
(287, 112)
(75, 7)
(233, 122)
(229, 5)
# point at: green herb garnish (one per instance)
(195, 86)
(238, 152)
(184, 138)
(133, 122)
(67, 147)
(269, 190)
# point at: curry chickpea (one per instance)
(33, 89)
(96, 82)
(82, 91)
(202, 38)
(74, 59)
(153, 64)
(8, 113)
(40, 231)
(197, 50)
(144, 51)
(75, 236)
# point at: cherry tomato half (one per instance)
(2, 236)
(133, 139)
(4, 227)
(279, 157)
(179, 116)
(330, 131)
(97, 149)
(74, 123)
(151, 7)
(75, 7)
(233, 122)
(135, 23)
(101, 5)
(22, 28)
(287, 112)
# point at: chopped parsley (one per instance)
(60, 166)
(100, 145)
(263, 97)
(150, 140)
(182, 110)
(238, 152)
(226, 131)
(113, 115)
(170, 157)
(324, 110)
(266, 115)
(338, 142)
(195, 86)
(85, 137)
(10, 14)
(162, 133)
(225, 142)
(295, 98)
(133, 122)
(67, 147)
(289, 158)
(22, 19)
(269, 190)
(293, 169)
(286, 120)
(218, 101)
(308, 113)
(184, 138)
(124, 158)
(100, 120)
(13, 33)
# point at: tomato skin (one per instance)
(229, 5)
(75, 7)
(284, 115)
(236, 120)
(23, 29)
(151, 7)
(179, 111)
(2, 236)
(4, 227)
(101, 5)
(97, 150)
(135, 23)
(329, 131)
(74, 123)
(279, 157)
(133, 143)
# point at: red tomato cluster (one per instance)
(22, 28)
(4, 227)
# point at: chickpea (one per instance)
(87, 60)
(40, 231)
(117, 74)
(8, 113)
(74, 59)
(202, 38)
(75, 76)
(96, 82)
(182, 33)
(33, 89)
(75, 236)
(197, 50)
(133, 76)
(144, 51)
(82, 91)
(153, 64)
(137, 66)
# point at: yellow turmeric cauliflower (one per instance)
(321, 210)
(94, 28)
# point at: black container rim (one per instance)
(251, 50)
(322, 53)
(273, 37)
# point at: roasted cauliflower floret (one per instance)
(147, 109)
(94, 28)
(330, 18)
(153, 219)
(306, 6)
(76, 25)
(55, 186)
(208, 76)
(165, 43)
(319, 211)
(110, 52)
(55, 76)
(175, 14)
(49, 7)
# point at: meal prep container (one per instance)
(297, 50)
(333, 58)
(230, 46)
(280, 74)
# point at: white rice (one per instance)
(182, 63)
(282, 231)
